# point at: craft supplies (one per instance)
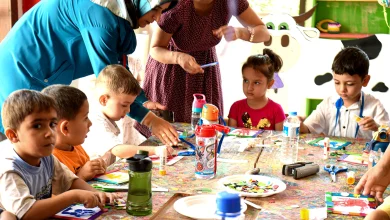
(116, 177)
(163, 160)
(350, 177)
(304, 214)
(209, 64)
(326, 148)
(347, 204)
(333, 170)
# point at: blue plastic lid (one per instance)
(292, 113)
(228, 203)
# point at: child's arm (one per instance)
(91, 169)
(303, 129)
(5, 215)
(16, 198)
(279, 126)
(126, 150)
(232, 123)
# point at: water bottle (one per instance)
(197, 105)
(206, 148)
(289, 148)
(229, 206)
(139, 197)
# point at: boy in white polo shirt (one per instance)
(336, 116)
(116, 89)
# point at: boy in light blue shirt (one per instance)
(30, 174)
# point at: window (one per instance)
(262, 7)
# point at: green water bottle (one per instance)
(139, 196)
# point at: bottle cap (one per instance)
(305, 214)
(140, 163)
(210, 112)
(228, 204)
(206, 131)
(292, 113)
(198, 102)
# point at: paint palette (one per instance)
(252, 185)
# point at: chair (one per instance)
(311, 105)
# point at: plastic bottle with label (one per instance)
(289, 148)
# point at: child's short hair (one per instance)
(22, 103)
(351, 60)
(69, 100)
(267, 63)
(118, 79)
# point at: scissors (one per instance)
(333, 170)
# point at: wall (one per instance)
(354, 16)
(27, 4)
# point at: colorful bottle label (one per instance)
(205, 163)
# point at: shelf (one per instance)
(344, 35)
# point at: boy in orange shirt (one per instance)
(72, 128)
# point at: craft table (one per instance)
(308, 192)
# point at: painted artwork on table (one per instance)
(349, 204)
(245, 133)
(335, 144)
(116, 177)
(78, 211)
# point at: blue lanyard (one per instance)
(339, 103)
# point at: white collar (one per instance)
(117, 7)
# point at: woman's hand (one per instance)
(154, 105)
(162, 129)
(189, 64)
(230, 33)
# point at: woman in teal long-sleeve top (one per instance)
(58, 41)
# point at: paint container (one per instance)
(305, 214)
(326, 148)
(163, 160)
(350, 177)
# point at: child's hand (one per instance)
(91, 199)
(91, 169)
(111, 197)
(368, 123)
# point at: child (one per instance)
(257, 111)
(336, 116)
(4, 215)
(72, 128)
(29, 174)
(116, 89)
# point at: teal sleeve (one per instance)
(141, 98)
(138, 111)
